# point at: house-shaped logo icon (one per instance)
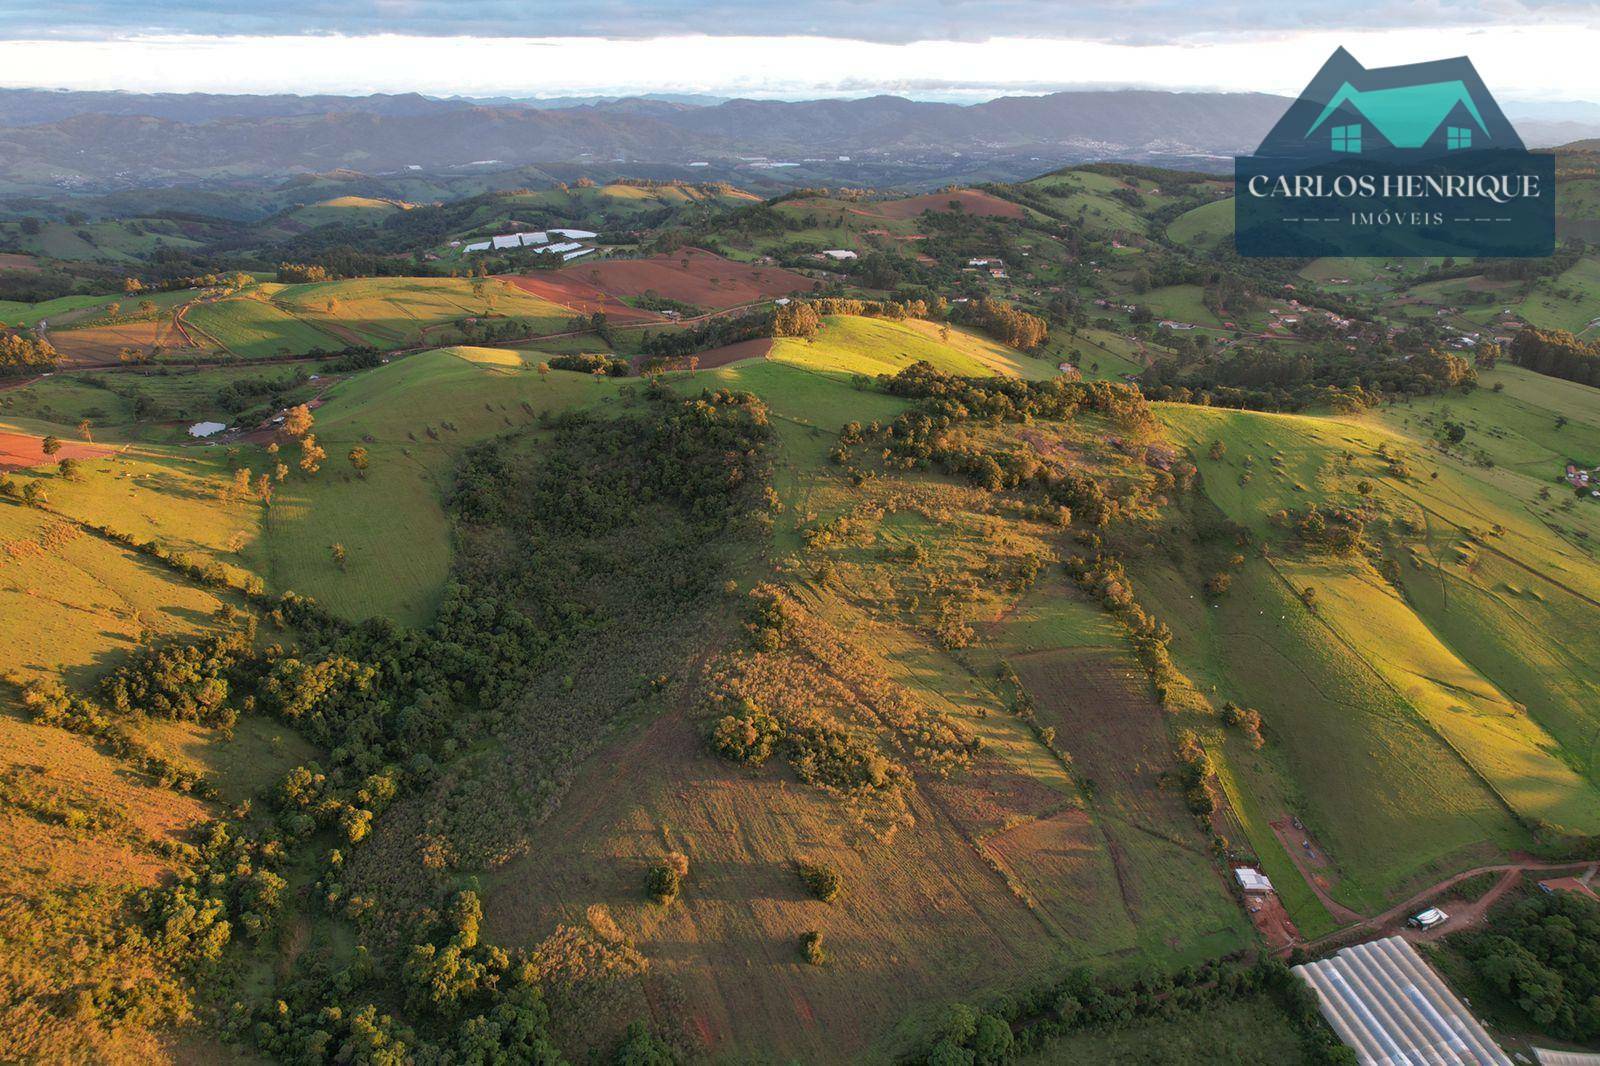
(1413, 160)
(1424, 108)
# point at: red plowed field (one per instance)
(20, 450)
(566, 288)
(691, 276)
(732, 353)
(972, 202)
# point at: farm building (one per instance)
(1386, 1002)
(532, 240)
(838, 253)
(510, 240)
(1251, 879)
(576, 234)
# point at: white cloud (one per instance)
(1524, 62)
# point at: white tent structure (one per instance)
(481, 246)
(531, 240)
(1386, 1002)
(577, 234)
(579, 254)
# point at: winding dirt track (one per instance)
(1463, 916)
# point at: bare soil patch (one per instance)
(571, 291)
(19, 451)
(103, 344)
(733, 353)
(972, 202)
(690, 275)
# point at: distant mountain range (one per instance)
(108, 138)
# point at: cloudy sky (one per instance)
(1536, 50)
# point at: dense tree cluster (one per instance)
(1543, 954)
(1557, 353)
(1002, 321)
(714, 333)
(590, 363)
(21, 353)
(1267, 379)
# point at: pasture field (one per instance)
(1205, 226)
(1086, 195)
(1509, 752)
(1182, 303)
(415, 417)
(852, 345)
(71, 602)
(13, 313)
(1570, 301)
(123, 241)
(402, 312)
(250, 325)
(1031, 871)
(362, 210)
(168, 399)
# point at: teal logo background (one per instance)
(1414, 160)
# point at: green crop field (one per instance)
(250, 325)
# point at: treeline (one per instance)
(1265, 379)
(1003, 322)
(1024, 1025)
(348, 262)
(703, 336)
(1558, 354)
(590, 363)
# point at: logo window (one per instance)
(1348, 138)
(1458, 137)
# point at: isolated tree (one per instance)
(33, 493)
(86, 430)
(297, 422)
(50, 445)
(339, 554)
(70, 469)
(241, 483)
(147, 307)
(359, 460)
(132, 286)
(264, 488)
(311, 454)
(280, 472)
